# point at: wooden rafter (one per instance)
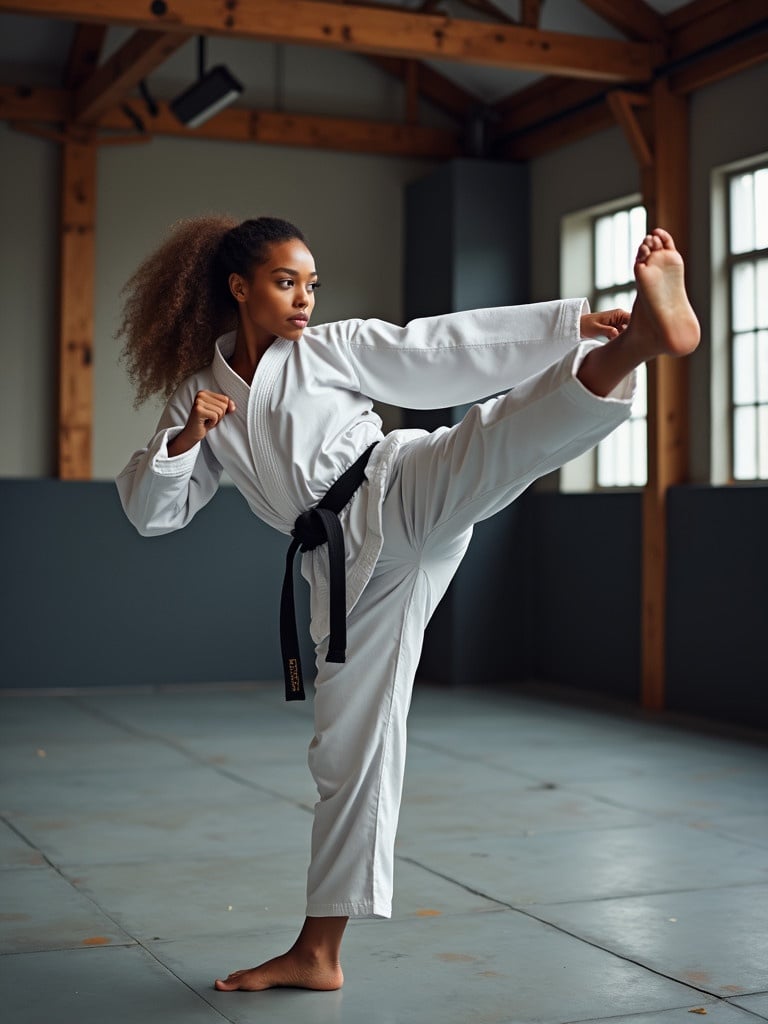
(115, 79)
(544, 101)
(23, 107)
(344, 134)
(623, 105)
(571, 127)
(706, 23)
(635, 18)
(738, 56)
(84, 54)
(19, 103)
(368, 30)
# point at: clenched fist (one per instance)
(208, 410)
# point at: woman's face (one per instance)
(279, 298)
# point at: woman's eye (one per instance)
(314, 285)
(285, 283)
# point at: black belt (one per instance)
(318, 526)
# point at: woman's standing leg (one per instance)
(357, 756)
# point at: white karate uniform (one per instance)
(305, 418)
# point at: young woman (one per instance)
(218, 319)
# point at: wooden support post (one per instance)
(76, 299)
(665, 193)
(412, 92)
(530, 13)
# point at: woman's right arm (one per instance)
(165, 484)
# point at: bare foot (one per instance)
(662, 309)
(291, 970)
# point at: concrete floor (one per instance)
(556, 863)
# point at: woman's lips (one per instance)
(300, 321)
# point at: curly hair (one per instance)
(178, 301)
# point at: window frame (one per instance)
(578, 278)
(732, 260)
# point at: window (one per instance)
(748, 321)
(597, 257)
(622, 458)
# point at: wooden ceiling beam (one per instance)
(345, 134)
(707, 23)
(569, 128)
(636, 19)
(544, 101)
(20, 103)
(368, 30)
(737, 57)
(84, 54)
(354, 135)
(115, 79)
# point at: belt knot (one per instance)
(309, 530)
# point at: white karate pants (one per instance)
(441, 484)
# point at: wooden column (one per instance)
(665, 193)
(76, 300)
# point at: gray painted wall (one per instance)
(466, 248)
(87, 602)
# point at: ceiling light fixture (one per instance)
(213, 90)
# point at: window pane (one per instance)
(745, 443)
(603, 252)
(636, 228)
(762, 366)
(639, 452)
(742, 213)
(624, 300)
(606, 461)
(743, 297)
(744, 365)
(622, 457)
(762, 428)
(640, 404)
(622, 264)
(761, 294)
(761, 208)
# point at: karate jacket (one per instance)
(308, 414)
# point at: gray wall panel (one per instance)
(87, 601)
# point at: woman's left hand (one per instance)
(608, 324)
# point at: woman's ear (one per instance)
(239, 288)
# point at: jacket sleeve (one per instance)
(458, 358)
(161, 493)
